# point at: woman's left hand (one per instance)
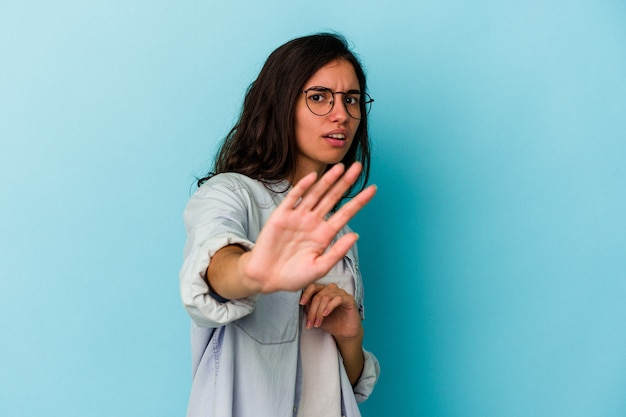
(333, 310)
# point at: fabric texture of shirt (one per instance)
(246, 352)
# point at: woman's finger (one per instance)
(298, 190)
(325, 302)
(319, 304)
(309, 291)
(332, 305)
(337, 251)
(314, 305)
(339, 189)
(313, 196)
(327, 305)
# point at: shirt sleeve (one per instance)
(215, 217)
(369, 377)
(371, 367)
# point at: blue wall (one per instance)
(494, 252)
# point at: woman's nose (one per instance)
(339, 111)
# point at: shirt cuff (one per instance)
(205, 307)
(369, 377)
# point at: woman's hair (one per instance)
(262, 144)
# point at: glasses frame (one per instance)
(365, 103)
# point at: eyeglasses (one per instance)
(321, 100)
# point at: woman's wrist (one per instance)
(350, 341)
(226, 274)
(351, 349)
(250, 279)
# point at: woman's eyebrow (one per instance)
(322, 88)
(319, 87)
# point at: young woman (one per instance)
(270, 275)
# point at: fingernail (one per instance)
(308, 324)
(318, 322)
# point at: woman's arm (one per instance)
(351, 350)
(226, 276)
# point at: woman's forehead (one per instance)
(336, 75)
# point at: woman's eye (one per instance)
(352, 100)
(319, 97)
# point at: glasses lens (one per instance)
(358, 105)
(353, 104)
(319, 101)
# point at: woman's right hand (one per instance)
(292, 250)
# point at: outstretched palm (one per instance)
(292, 250)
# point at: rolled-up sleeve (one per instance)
(369, 376)
(215, 217)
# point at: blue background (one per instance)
(494, 253)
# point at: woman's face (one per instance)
(324, 140)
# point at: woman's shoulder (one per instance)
(233, 182)
(229, 180)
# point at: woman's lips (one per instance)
(336, 139)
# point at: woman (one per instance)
(270, 274)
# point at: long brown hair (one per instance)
(262, 143)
